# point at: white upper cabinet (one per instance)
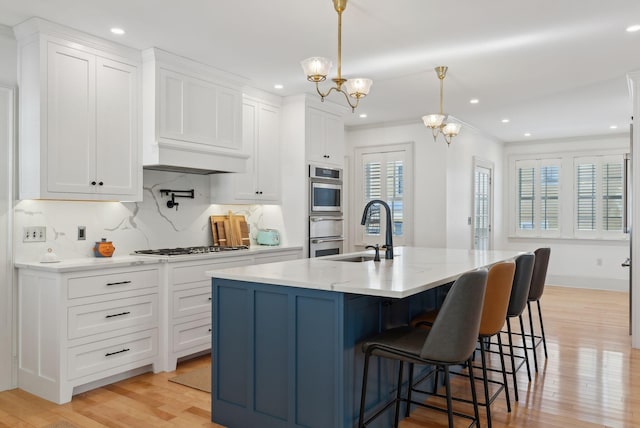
(325, 137)
(261, 137)
(79, 116)
(193, 115)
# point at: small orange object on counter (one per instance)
(103, 248)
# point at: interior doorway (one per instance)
(481, 222)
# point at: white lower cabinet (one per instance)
(77, 328)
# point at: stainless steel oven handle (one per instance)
(322, 241)
(316, 219)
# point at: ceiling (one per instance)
(554, 68)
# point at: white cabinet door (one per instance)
(245, 183)
(116, 128)
(325, 137)
(70, 148)
(334, 140)
(316, 136)
(267, 154)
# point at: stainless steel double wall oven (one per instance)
(326, 229)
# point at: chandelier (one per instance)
(317, 68)
(437, 121)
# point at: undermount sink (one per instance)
(356, 259)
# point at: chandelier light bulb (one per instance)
(358, 87)
(316, 68)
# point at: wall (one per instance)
(576, 263)
(430, 175)
(134, 226)
(7, 83)
(468, 144)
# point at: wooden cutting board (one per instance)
(229, 231)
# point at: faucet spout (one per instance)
(388, 253)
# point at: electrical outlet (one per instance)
(34, 234)
(82, 233)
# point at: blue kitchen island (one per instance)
(286, 336)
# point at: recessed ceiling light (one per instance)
(117, 31)
(505, 120)
(474, 101)
(278, 86)
(633, 28)
(613, 127)
(363, 115)
(527, 134)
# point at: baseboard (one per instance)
(588, 282)
(112, 379)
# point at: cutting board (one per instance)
(229, 230)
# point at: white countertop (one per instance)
(412, 271)
(86, 263)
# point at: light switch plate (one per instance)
(34, 234)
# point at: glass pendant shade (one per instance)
(358, 87)
(316, 68)
(451, 129)
(433, 120)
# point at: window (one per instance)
(382, 172)
(584, 202)
(538, 195)
(599, 187)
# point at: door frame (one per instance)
(487, 164)
(8, 369)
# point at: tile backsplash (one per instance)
(134, 225)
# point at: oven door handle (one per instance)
(322, 241)
(316, 219)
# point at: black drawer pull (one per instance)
(210, 299)
(118, 315)
(108, 354)
(118, 283)
(209, 330)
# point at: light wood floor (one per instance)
(592, 378)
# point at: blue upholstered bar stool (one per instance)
(450, 341)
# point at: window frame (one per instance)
(567, 195)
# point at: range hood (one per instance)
(192, 116)
(192, 158)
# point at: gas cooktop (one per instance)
(181, 251)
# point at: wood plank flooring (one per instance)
(591, 379)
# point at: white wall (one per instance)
(7, 82)
(134, 226)
(577, 263)
(430, 175)
(460, 154)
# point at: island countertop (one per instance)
(411, 271)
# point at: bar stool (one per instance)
(450, 341)
(517, 303)
(494, 312)
(535, 293)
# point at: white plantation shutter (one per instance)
(612, 188)
(599, 187)
(538, 196)
(382, 174)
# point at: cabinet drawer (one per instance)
(192, 301)
(190, 334)
(107, 354)
(103, 284)
(85, 320)
(188, 274)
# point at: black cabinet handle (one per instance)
(118, 283)
(93, 183)
(118, 315)
(209, 330)
(108, 354)
(210, 299)
(101, 183)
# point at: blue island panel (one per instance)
(291, 357)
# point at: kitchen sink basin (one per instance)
(356, 259)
